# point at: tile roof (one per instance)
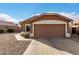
(7, 23)
(76, 22)
(37, 16)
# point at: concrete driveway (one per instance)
(53, 46)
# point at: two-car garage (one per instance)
(49, 30)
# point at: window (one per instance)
(28, 28)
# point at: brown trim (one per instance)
(35, 17)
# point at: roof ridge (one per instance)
(48, 14)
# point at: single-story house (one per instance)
(75, 27)
(48, 25)
(5, 25)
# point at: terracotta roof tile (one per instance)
(34, 17)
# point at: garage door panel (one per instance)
(49, 30)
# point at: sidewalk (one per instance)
(38, 48)
(19, 37)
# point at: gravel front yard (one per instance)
(10, 46)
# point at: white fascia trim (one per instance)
(49, 22)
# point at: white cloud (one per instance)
(52, 12)
(7, 17)
(72, 15)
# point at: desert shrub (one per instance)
(10, 30)
(1, 30)
(26, 35)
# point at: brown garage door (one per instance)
(49, 30)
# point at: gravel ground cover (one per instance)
(10, 46)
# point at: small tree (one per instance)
(20, 24)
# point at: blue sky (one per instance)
(25, 10)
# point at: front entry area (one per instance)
(49, 30)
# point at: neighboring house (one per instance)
(48, 25)
(75, 27)
(5, 25)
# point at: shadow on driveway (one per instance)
(63, 44)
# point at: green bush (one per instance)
(1, 30)
(10, 30)
(26, 35)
